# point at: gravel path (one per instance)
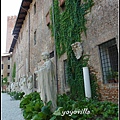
(10, 108)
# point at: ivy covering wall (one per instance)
(68, 25)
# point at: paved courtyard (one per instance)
(10, 108)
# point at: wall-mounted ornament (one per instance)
(77, 49)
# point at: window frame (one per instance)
(8, 66)
(105, 59)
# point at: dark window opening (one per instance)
(8, 66)
(109, 61)
(52, 54)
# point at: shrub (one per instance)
(34, 109)
(88, 109)
(16, 95)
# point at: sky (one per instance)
(8, 8)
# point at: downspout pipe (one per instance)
(56, 74)
(87, 86)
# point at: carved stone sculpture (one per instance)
(20, 84)
(46, 81)
(77, 49)
(23, 86)
(16, 86)
(12, 87)
(29, 84)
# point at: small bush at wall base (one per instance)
(16, 95)
(34, 108)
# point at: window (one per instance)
(8, 58)
(65, 73)
(34, 8)
(8, 74)
(2, 66)
(8, 66)
(35, 38)
(52, 54)
(109, 61)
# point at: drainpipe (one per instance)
(56, 74)
(87, 82)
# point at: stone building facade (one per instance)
(103, 30)
(34, 37)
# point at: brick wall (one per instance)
(102, 26)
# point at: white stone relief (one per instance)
(23, 85)
(77, 49)
(30, 84)
(12, 86)
(17, 88)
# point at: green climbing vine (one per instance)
(14, 72)
(68, 26)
